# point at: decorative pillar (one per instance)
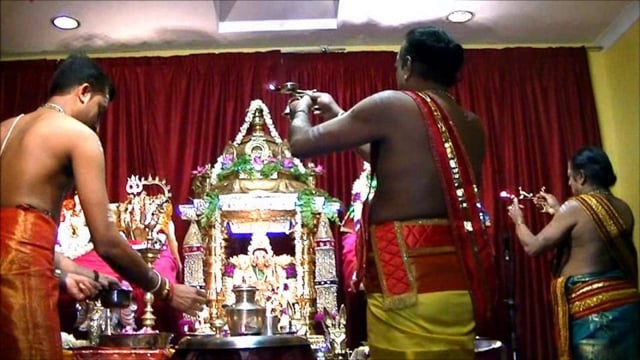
(326, 279)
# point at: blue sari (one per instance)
(608, 334)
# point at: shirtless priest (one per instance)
(42, 156)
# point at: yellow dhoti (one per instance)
(438, 323)
(439, 326)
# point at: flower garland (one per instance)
(74, 238)
(252, 167)
(363, 189)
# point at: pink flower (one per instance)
(319, 169)
(319, 316)
(227, 160)
(287, 163)
(199, 171)
(257, 161)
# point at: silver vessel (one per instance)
(245, 317)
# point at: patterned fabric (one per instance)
(28, 289)
(440, 323)
(597, 317)
(424, 247)
(466, 218)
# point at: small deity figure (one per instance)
(273, 276)
(261, 265)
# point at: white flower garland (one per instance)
(253, 106)
(74, 238)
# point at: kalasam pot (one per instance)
(245, 317)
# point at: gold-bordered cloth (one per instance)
(587, 298)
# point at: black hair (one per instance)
(434, 54)
(595, 165)
(78, 69)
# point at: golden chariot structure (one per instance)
(258, 220)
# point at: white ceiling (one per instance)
(150, 26)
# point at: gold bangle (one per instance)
(157, 286)
(164, 289)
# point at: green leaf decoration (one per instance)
(212, 199)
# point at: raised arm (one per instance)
(557, 230)
(366, 122)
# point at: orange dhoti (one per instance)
(29, 324)
(419, 306)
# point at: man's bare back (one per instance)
(409, 184)
(37, 154)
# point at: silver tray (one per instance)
(240, 342)
(141, 341)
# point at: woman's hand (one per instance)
(515, 212)
(546, 202)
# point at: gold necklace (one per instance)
(443, 92)
(53, 106)
(600, 191)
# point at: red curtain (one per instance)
(173, 114)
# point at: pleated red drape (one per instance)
(173, 114)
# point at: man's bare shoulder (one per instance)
(68, 126)
(570, 210)
(570, 205)
(67, 134)
(383, 102)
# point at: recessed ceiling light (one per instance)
(460, 16)
(65, 22)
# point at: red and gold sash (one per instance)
(611, 228)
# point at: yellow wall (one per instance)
(615, 73)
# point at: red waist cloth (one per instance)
(412, 257)
(29, 325)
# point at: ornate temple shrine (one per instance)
(261, 222)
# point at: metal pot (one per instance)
(245, 317)
(115, 298)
